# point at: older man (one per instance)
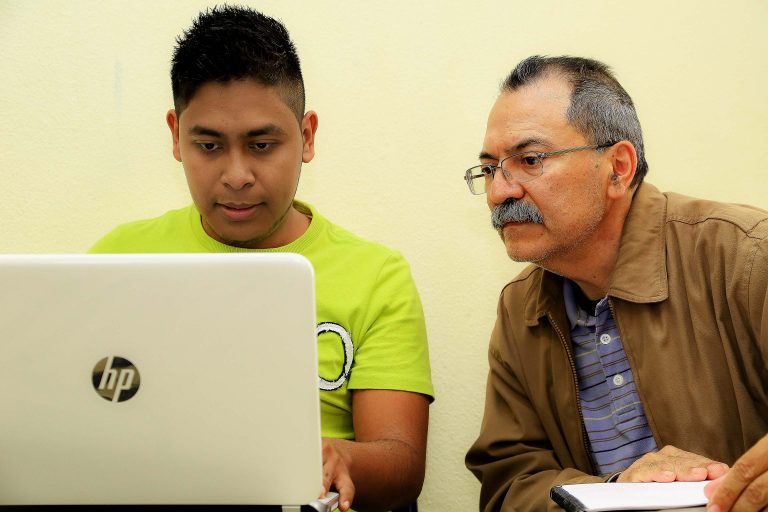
(635, 348)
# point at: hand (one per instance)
(745, 486)
(670, 464)
(336, 474)
(383, 468)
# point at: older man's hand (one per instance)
(670, 464)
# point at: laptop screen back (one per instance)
(164, 379)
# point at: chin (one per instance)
(518, 258)
(238, 239)
(526, 247)
(523, 255)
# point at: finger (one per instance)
(754, 497)
(663, 470)
(727, 492)
(346, 489)
(329, 467)
(648, 475)
(328, 470)
(690, 467)
(700, 472)
(711, 487)
(693, 474)
(716, 470)
(662, 476)
(749, 470)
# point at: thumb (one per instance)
(711, 487)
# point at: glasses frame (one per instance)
(469, 176)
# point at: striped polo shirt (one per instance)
(616, 425)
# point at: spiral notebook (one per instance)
(186, 379)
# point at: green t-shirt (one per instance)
(371, 330)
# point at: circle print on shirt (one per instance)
(349, 354)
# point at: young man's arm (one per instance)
(384, 467)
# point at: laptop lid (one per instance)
(158, 379)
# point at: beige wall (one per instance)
(402, 90)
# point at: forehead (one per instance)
(237, 104)
(534, 112)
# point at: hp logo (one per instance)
(115, 379)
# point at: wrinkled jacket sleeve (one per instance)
(758, 289)
(513, 457)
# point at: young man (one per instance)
(635, 348)
(241, 133)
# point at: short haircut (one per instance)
(228, 43)
(600, 107)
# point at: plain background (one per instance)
(402, 90)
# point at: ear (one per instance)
(173, 124)
(308, 130)
(623, 159)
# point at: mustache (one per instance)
(515, 210)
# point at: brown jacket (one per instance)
(689, 298)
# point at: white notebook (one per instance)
(158, 379)
(629, 496)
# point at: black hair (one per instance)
(228, 43)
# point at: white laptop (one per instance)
(184, 379)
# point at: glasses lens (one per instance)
(477, 177)
(524, 167)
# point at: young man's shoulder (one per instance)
(349, 241)
(358, 252)
(345, 236)
(156, 234)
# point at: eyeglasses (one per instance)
(521, 167)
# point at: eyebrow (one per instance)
(269, 129)
(510, 150)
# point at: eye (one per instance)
(260, 146)
(530, 161)
(208, 147)
(487, 170)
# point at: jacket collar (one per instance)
(641, 269)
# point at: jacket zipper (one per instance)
(563, 341)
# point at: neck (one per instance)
(592, 262)
(591, 272)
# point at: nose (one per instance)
(502, 188)
(238, 173)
